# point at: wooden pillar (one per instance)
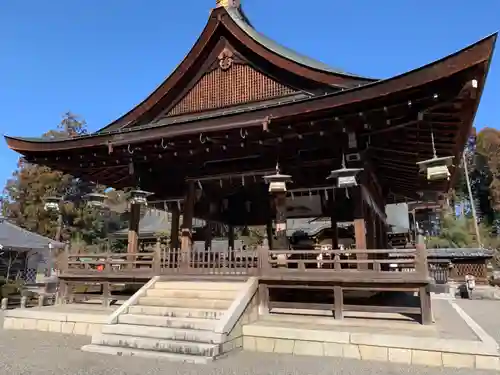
(133, 228)
(335, 233)
(207, 234)
(333, 221)
(425, 305)
(359, 226)
(338, 295)
(374, 226)
(230, 237)
(158, 259)
(187, 225)
(378, 233)
(280, 205)
(174, 227)
(230, 244)
(269, 233)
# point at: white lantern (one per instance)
(436, 168)
(277, 182)
(346, 177)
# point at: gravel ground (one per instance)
(40, 353)
(485, 313)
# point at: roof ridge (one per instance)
(241, 19)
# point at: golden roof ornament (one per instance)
(227, 3)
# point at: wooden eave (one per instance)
(475, 57)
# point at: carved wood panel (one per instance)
(229, 84)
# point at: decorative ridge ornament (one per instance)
(227, 3)
(225, 59)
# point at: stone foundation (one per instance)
(375, 347)
(69, 323)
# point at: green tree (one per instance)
(459, 232)
(31, 184)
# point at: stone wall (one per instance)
(388, 348)
(77, 324)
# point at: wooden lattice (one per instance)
(238, 84)
(476, 269)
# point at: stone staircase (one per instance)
(172, 320)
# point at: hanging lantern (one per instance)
(96, 200)
(52, 203)
(277, 182)
(346, 177)
(436, 168)
(139, 197)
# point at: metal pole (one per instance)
(471, 199)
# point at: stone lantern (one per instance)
(140, 197)
(52, 203)
(96, 200)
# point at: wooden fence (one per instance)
(262, 262)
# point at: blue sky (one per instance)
(100, 58)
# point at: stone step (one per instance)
(176, 312)
(174, 357)
(186, 302)
(195, 294)
(199, 285)
(174, 334)
(154, 344)
(168, 322)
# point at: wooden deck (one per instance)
(332, 273)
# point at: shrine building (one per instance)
(248, 132)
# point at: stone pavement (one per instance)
(486, 313)
(41, 353)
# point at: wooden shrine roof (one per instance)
(242, 101)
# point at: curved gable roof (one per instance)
(242, 21)
(238, 24)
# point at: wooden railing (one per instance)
(379, 260)
(110, 263)
(165, 260)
